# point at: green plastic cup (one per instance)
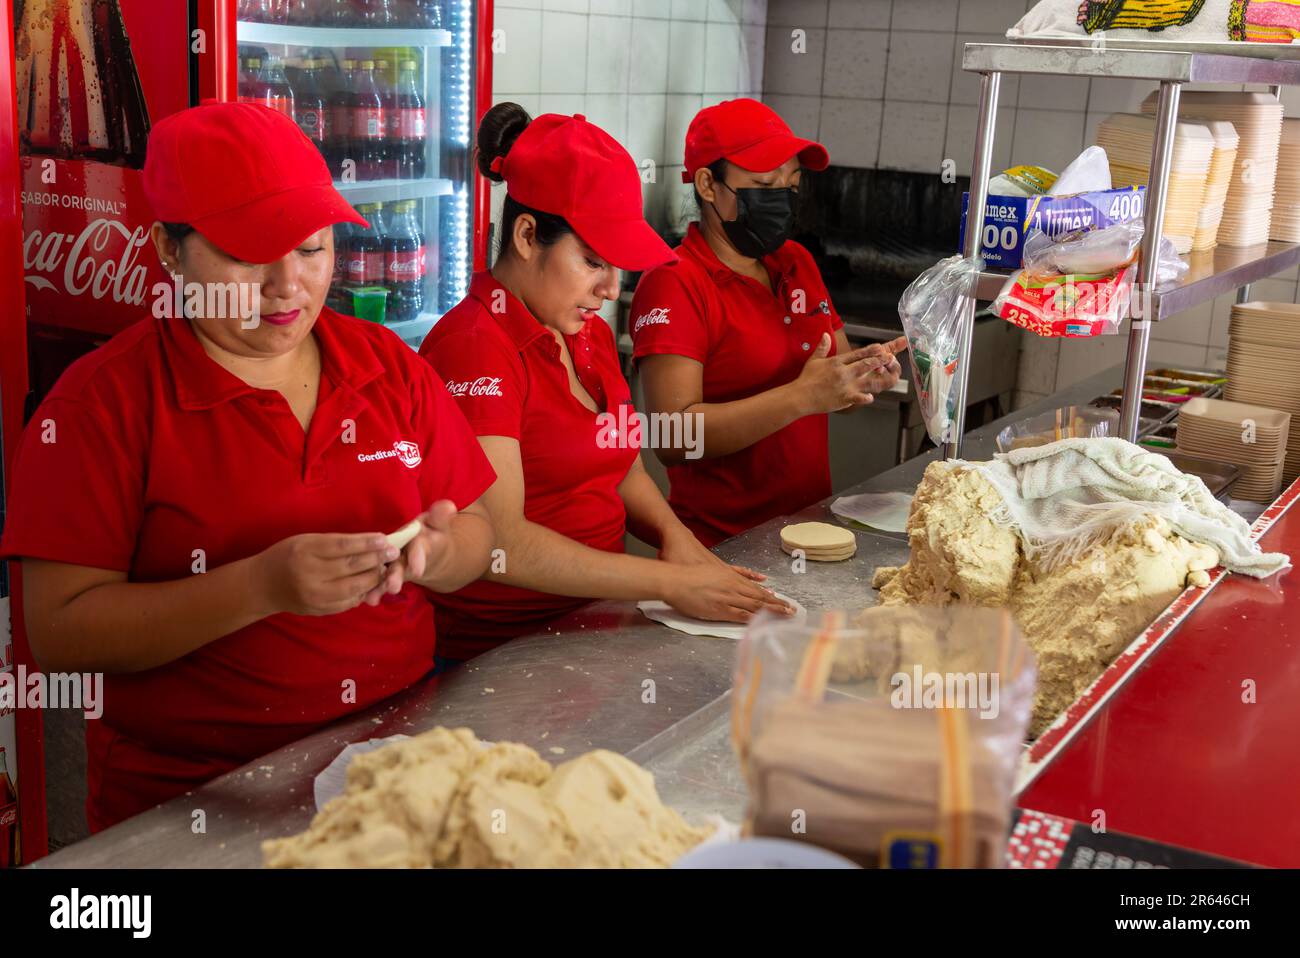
(370, 302)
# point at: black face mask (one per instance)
(764, 219)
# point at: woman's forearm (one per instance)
(467, 558)
(728, 427)
(133, 626)
(649, 517)
(539, 558)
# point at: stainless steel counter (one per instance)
(579, 686)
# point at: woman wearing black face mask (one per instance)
(741, 333)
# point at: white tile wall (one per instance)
(640, 69)
(879, 82)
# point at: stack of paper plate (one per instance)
(1216, 184)
(1127, 139)
(1252, 437)
(1264, 366)
(1286, 198)
(1257, 118)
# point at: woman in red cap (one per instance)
(536, 371)
(741, 331)
(201, 504)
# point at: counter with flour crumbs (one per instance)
(608, 678)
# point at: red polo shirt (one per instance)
(159, 452)
(504, 368)
(749, 339)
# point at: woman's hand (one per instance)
(884, 377)
(321, 574)
(718, 593)
(831, 383)
(422, 555)
(680, 546)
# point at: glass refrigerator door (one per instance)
(385, 90)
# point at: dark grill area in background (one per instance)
(874, 231)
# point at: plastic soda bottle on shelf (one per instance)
(369, 125)
(426, 14)
(378, 13)
(312, 111)
(366, 248)
(273, 87)
(404, 263)
(338, 298)
(385, 158)
(248, 79)
(340, 126)
(408, 129)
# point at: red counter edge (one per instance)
(1080, 712)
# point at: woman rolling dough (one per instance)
(535, 370)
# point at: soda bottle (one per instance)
(427, 14)
(273, 87)
(366, 248)
(378, 13)
(10, 850)
(369, 125)
(337, 298)
(385, 160)
(309, 104)
(404, 263)
(408, 130)
(340, 13)
(300, 13)
(79, 93)
(340, 125)
(248, 80)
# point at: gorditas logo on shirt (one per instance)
(407, 453)
(483, 386)
(656, 317)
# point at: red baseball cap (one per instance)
(244, 176)
(749, 134)
(571, 168)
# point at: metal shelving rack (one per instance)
(1213, 272)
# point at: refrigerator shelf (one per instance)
(389, 191)
(413, 331)
(338, 37)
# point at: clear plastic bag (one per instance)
(931, 311)
(1097, 251)
(1068, 422)
(1080, 283)
(892, 739)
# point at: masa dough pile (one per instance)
(446, 800)
(1077, 618)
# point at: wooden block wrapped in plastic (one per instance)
(893, 741)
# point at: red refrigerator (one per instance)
(390, 90)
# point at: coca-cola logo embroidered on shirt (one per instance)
(483, 386)
(656, 316)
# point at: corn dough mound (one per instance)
(1077, 618)
(444, 800)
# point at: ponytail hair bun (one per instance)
(497, 132)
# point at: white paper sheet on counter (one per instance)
(887, 511)
(333, 777)
(663, 612)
